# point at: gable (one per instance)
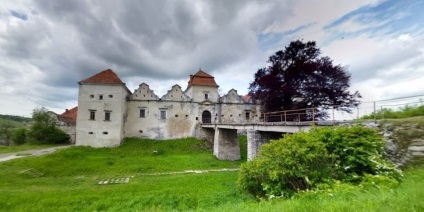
(232, 97)
(143, 92)
(176, 94)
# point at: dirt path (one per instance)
(32, 152)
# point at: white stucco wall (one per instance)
(180, 119)
(197, 93)
(183, 113)
(99, 132)
(235, 110)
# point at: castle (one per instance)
(108, 111)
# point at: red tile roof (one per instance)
(246, 97)
(202, 78)
(105, 77)
(69, 116)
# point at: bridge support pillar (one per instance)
(253, 143)
(208, 134)
(255, 140)
(226, 145)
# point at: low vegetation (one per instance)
(8, 125)
(16, 130)
(67, 180)
(403, 112)
(319, 159)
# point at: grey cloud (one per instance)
(71, 40)
(377, 65)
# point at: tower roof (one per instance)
(202, 78)
(69, 116)
(105, 77)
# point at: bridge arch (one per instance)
(206, 117)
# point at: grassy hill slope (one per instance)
(67, 180)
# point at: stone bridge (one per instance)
(226, 145)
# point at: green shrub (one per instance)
(403, 112)
(19, 136)
(48, 135)
(44, 129)
(315, 160)
(296, 162)
(56, 136)
(358, 150)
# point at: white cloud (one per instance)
(61, 42)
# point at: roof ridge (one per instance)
(104, 77)
(202, 78)
(201, 73)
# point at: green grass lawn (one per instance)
(67, 181)
(23, 147)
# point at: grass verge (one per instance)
(66, 180)
(23, 147)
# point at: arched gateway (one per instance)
(206, 117)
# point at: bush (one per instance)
(316, 159)
(57, 136)
(48, 135)
(358, 151)
(296, 162)
(44, 129)
(403, 112)
(19, 136)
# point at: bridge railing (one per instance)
(298, 115)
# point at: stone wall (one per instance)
(404, 141)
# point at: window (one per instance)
(206, 95)
(107, 115)
(91, 96)
(110, 96)
(105, 133)
(90, 133)
(247, 114)
(92, 115)
(142, 113)
(100, 96)
(163, 114)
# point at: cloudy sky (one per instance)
(47, 46)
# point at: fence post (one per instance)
(334, 121)
(357, 112)
(313, 115)
(285, 117)
(375, 115)
(382, 113)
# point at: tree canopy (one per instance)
(44, 129)
(298, 77)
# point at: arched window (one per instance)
(206, 117)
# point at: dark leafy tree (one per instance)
(298, 77)
(44, 129)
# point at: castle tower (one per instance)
(101, 110)
(202, 87)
